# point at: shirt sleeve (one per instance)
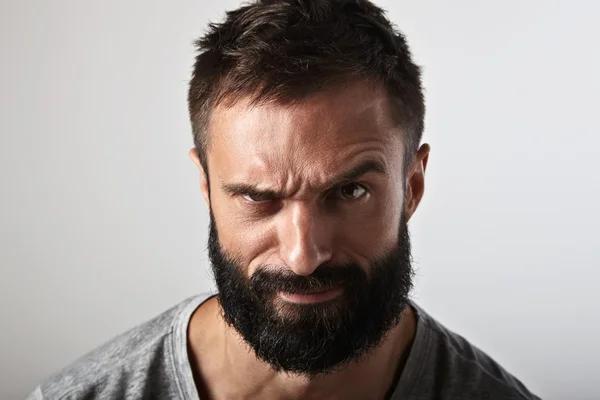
(35, 395)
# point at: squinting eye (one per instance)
(253, 198)
(351, 191)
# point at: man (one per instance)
(307, 118)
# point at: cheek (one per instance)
(248, 241)
(371, 234)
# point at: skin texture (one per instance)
(297, 217)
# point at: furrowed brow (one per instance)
(241, 189)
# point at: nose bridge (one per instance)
(304, 241)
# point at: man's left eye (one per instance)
(351, 191)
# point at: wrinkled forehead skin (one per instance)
(298, 148)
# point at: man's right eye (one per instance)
(254, 198)
(260, 204)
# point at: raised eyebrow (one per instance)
(246, 189)
(358, 171)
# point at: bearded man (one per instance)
(307, 117)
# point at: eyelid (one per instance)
(365, 187)
(248, 198)
(263, 197)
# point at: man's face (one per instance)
(308, 236)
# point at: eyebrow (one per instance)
(361, 169)
(371, 165)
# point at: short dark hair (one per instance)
(286, 50)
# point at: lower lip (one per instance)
(307, 298)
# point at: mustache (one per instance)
(269, 281)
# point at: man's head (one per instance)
(307, 117)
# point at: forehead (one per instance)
(312, 139)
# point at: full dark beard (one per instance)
(313, 339)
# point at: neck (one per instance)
(225, 367)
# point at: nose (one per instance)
(304, 237)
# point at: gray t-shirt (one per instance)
(151, 362)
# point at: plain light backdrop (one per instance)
(102, 224)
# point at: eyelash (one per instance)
(244, 197)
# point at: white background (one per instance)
(102, 224)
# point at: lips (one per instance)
(316, 296)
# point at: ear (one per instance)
(415, 181)
(203, 178)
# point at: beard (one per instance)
(314, 338)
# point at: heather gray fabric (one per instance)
(151, 362)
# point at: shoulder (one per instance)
(120, 367)
(459, 369)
